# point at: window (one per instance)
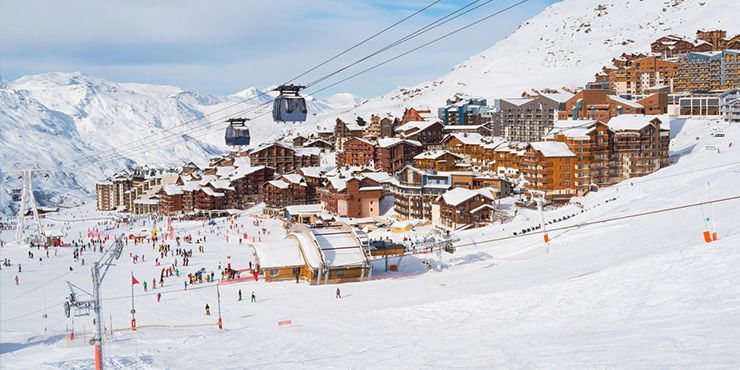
(273, 272)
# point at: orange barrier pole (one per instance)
(98, 359)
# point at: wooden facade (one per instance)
(549, 171)
(437, 160)
(393, 154)
(356, 152)
(281, 158)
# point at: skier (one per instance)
(254, 298)
(19, 267)
(144, 286)
(339, 294)
(159, 297)
(240, 294)
(208, 310)
(16, 279)
(186, 285)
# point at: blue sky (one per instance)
(237, 44)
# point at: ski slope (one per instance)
(642, 292)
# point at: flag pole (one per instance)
(133, 311)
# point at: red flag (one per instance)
(133, 280)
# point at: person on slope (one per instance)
(208, 310)
(254, 297)
(159, 297)
(339, 293)
(144, 286)
(240, 294)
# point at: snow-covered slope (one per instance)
(643, 292)
(564, 46)
(72, 120)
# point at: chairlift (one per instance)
(289, 105)
(237, 133)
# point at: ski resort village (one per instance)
(567, 198)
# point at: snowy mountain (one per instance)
(564, 46)
(75, 120)
(82, 126)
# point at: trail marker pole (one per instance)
(218, 293)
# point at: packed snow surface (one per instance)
(637, 292)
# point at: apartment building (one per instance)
(461, 207)
(640, 144)
(592, 142)
(729, 102)
(282, 158)
(356, 151)
(392, 154)
(598, 104)
(549, 167)
(468, 145)
(437, 160)
(355, 196)
(527, 119)
(288, 190)
(414, 191)
(346, 128)
(428, 133)
(639, 76)
(464, 112)
(708, 71)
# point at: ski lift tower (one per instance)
(83, 308)
(26, 175)
(539, 197)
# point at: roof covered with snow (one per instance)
(436, 154)
(172, 189)
(457, 196)
(392, 141)
(559, 97)
(303, 209)
(632, 122)
(468, 138)
(280, 253)
(627, 102)
(552, 149)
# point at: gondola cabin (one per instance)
(237, 133)
(289, 105)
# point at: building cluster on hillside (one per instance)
(454, 167)
(689, 75)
